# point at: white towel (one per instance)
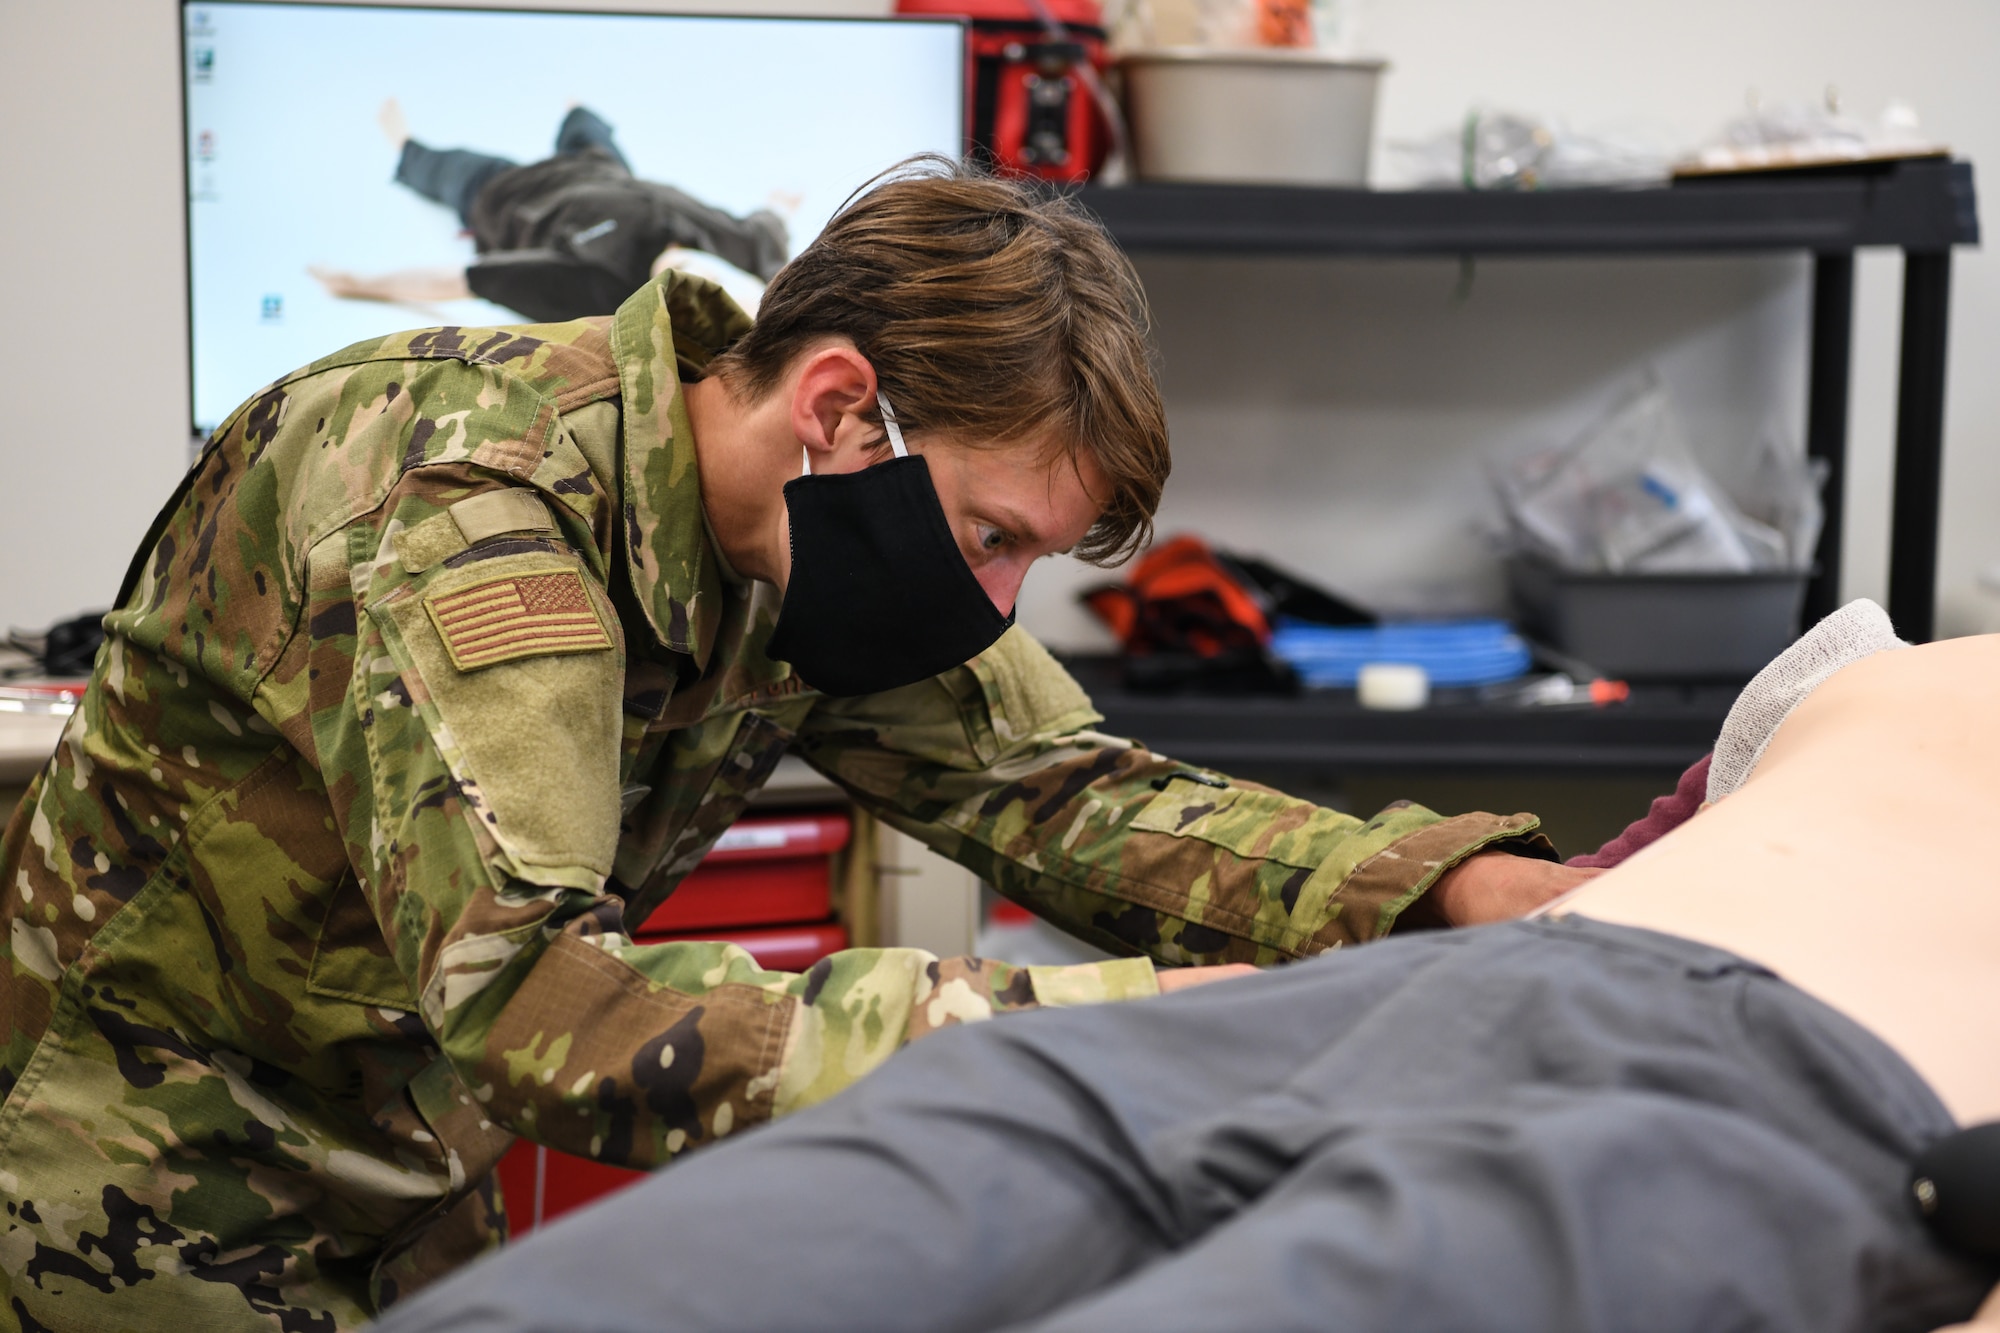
(1855, 631)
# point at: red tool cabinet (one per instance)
(764, 870)
(766, 885)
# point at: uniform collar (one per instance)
(675, 574)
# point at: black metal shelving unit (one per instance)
(1924, 207)
(1660, 729)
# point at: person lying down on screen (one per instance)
(1618, 1116)
(569, 236)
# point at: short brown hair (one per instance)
(991, 309)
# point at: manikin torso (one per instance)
(1857, 862)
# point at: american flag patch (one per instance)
(526, 615)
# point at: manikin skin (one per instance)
(1854, 862)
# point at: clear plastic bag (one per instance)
(1506, 150)
(1628, 496)
(1782, 493)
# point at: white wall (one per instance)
(92, 300)
(1326, 413)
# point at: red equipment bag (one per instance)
(1029, 109)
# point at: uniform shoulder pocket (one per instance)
(515, 664)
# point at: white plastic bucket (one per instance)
(1255, 115)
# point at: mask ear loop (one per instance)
(888, 424)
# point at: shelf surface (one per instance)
(1661, 728)
(1916, 204)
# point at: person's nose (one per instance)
(1002, 580)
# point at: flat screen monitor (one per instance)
(311, 226)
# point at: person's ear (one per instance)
(835, 386)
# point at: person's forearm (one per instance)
(408, 284)
(997, 766)
(1495, 886)
(1197, 874)
(687, 1042)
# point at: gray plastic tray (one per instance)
(1661, 626)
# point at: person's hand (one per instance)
(394, 128)
(409, 286)
(1499, 886)
(1180, 978)
(338, 282)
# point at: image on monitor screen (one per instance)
(357, 170)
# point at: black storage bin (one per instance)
(1661, 626)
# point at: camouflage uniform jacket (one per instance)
(426, 682)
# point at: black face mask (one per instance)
(880, 595)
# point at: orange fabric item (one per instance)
(1285, 23)
(1180, 598)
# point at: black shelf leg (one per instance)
(1913, 533)
(1827, 383)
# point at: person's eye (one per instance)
(989, 538)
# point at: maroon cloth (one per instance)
(1668, 813)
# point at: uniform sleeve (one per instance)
(997, 765)
(468, 719)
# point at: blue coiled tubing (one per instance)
(1451, 652)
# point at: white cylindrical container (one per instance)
(1393, 686)
(1258, 115)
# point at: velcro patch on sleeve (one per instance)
(520, 615)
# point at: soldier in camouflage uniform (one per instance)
(322, 900)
